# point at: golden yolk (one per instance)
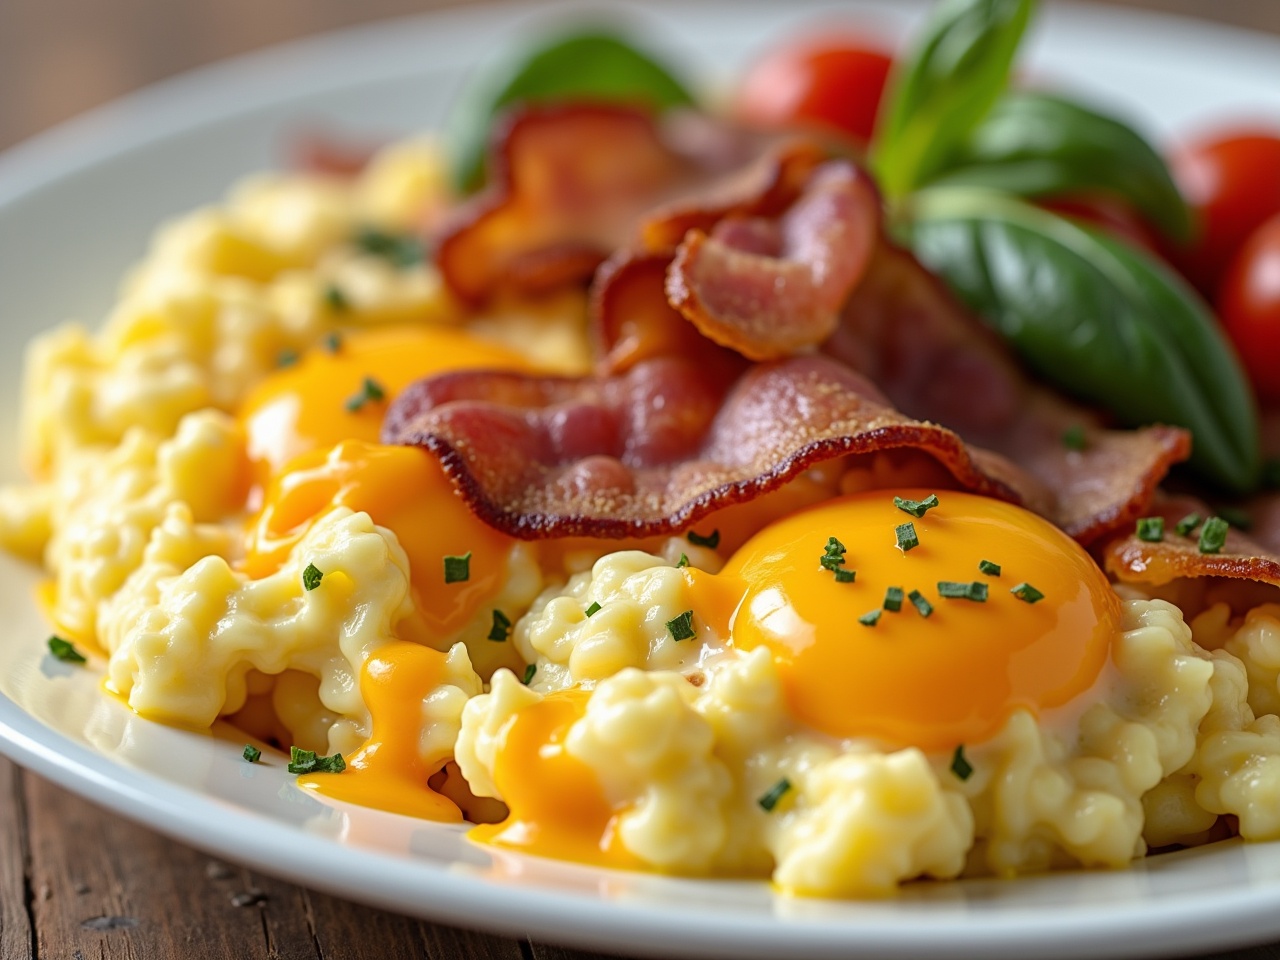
(403, 489)
(931, 682)
(388, 771)
(304, 407)
(557, 806)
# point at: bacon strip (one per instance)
(653, 450)
(769, 288)
(935, 361)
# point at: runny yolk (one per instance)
(931, 682)
(388, 772)
(304, 407)
(403, 489)
(557, 806)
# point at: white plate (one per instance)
(76, 206)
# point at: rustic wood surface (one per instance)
(76, 882)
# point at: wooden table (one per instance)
(78, 883)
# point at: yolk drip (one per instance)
(388, 771)
(557, 806)
(304, 407)
(403, 489)
(932, 682)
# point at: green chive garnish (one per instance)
(961, 767)
(251, 753)
(774, 794)
(683, 561)
(1151, 529)
(681, 628)
(333, 342)
(529, 671)
(311, 577)
(917, 508)
(920, 603)
(286, 358)
(457, 569)
(1026, 592)
(334, 764)
(371, 391)
(400, 250)
(1187, 524)
(698, 540)
(1213, 535)
(1073, 438)
(953, 590)
(893, 599)
(306, 761)
(870, 618)
(593, 609)
(501, 627)
(832, 554)
(989, 568)
(65, 651)
(1236, 517)
(906, 534)
(844, 576)
(336, 299)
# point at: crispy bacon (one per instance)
(654, 449)
(771, 287)
(935, 361)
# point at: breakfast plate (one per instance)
(76, 206)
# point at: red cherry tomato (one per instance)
(1232, 181)
(1249, 306)
(834, 82)
(1111, 216)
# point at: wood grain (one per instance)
(76, 882)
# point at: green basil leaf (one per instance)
(596, 66)
(1101, 320)
(944, 87)
(1037, 145)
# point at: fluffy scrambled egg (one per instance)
(830, 692)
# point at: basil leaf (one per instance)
(593, 66)
(1037, 145)
(1101, 320)
(944, 87)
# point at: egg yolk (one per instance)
(953, 676)
(388, 772)
(403, 489)
(306, 406)
(558, 808)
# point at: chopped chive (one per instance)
(844, 576)
(311, 577)
(1237, 517)
(1027, 593)
(1213, 535)
(336, 299)
(989, 568)
(917, 508)
(683, 561)
(1073, 438)
(65, 651)
(893, 599)
(920, 603)
(251, 753)
(1271, 474)
(681, 627)
(286, 358)
(501, 628)
(593, 609)
(870, 618)
(371, 391)
(953, 590)
(457, 569)
(333, 342)
(771, 797)
(906, 534)
(529, 671)
(711, 541)
(961, 767)
(1187, 524)
(334, 764)
(306, 761)
(400, 250)
(1151, 529)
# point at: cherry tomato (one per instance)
(834, 82)
(1111, 216)
(1249, 305)
(1232, 181)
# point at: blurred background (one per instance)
(62, 57)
